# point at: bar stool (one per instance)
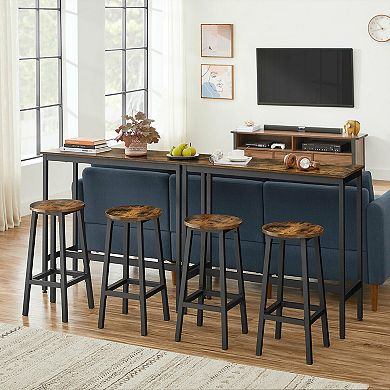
(57, 208)
(304, 232)
(208, 223)
(138, 215)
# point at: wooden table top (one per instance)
(255, 165)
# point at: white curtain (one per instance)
(9, 114)
(167, 94)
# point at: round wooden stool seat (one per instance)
(57, 206)
(293, 230)
(133, 213)
(212, 222)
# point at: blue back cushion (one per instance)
(315, 204)
(108, 187)
(239, 197)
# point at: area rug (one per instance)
(39, 359)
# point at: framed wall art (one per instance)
(217, 40)
(217, 81)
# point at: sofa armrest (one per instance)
(378, 239)
(80, 190)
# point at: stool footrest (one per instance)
(121, 294)
(111, 289)
(235, 299)
(122, 282)
(290, 320)
(76, 280)
(77, 276)
(318, 312)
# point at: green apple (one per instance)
(182, 146)
(176, 152)
(171, 151)
(187, 152)
(193, 150)
(190, 151)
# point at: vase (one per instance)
(136, 148)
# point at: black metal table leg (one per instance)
(202, 276)
(306, 303)
(263, 303)
(45, 232)
(183, 283)
(321, 291)
(279, 311)
(53, 259)
(209, 206)
(160, 259)
(126, 265)
(75, 196)
(106, 268)
(222, 282)
(30, 262)
(142, 285)
(240, 279)
(63, 282)
(178, 234)
(342, 260)
(84, 249)
(359, 247)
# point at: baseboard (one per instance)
(25, 205)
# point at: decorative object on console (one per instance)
(217, 40)
(352, 127)
(303, 163)
(183, 152)
(85, 145)
(379, 28)
(136, 133)
(249, 126)
(217, 82)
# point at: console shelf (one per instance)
(353, 146)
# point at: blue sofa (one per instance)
(256, 202)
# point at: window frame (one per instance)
(124, 50)
(37, 58)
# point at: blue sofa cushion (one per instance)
(315, 204)
(106, 187)
(239, 197)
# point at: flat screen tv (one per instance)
(305, 77)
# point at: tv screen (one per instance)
(305, 77)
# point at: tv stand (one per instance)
(350, 149)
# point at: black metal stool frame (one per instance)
(41, 278)
(309, 319)
(186, 301)
(111, 290)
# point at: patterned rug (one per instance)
(39, 359)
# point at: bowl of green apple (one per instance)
(183, 152)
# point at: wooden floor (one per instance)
(364, 356)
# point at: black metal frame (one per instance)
(38, 59)
(182, 170)
(124, 49)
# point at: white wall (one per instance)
(286, 23)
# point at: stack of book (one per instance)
(85, 145)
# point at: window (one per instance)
(40, 69)
(126, 60)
